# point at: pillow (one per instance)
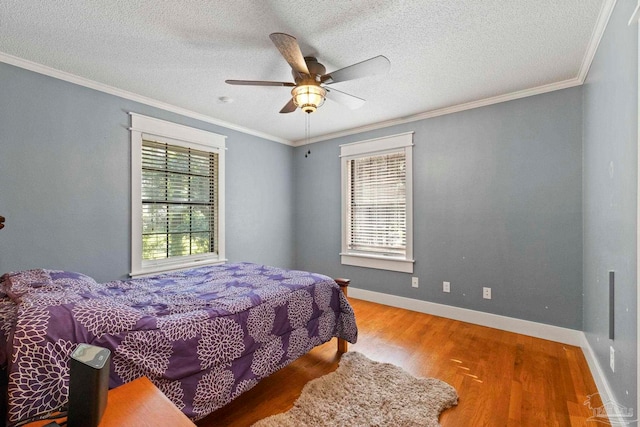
(18, 285)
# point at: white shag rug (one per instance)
(362, 392)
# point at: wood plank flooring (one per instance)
(502, 378)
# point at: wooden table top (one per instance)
(138, 403)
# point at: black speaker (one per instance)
(88, 385)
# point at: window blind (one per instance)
(179, 201)
(377, 204)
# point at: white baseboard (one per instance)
(604, 389)
(524, 327)
(510, 324)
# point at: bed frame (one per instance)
(344, 284)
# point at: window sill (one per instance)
(166, 268)
(379, 262)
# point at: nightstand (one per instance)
(138, 403)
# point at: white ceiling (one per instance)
(178, 53)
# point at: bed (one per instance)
(203, 336)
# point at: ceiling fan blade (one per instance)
(290, 50)
(350, 101)
(376, 65)
(258, 83)
(289, 108)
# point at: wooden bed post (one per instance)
(344, 284)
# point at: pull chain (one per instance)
(307, 128)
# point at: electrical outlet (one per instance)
(612, 358)
(486, 293)
(414, 282)
(446, 286)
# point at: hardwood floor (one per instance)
(502, 378)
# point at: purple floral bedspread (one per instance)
(203, 336)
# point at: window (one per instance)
(377, 203)
(177, 196)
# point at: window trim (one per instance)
(372, 147)
(184, 136)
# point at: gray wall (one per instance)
(65, 181)
(610, 197)
(498, 199)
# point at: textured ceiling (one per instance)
(443, 53)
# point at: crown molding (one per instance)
(598, 31)
(601, 24)
(101, 87)
(635, 17)
(447, 110)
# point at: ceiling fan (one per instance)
(311, 79)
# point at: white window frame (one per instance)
(149, 128)
(368, 148)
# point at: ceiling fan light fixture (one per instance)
(308, 97)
